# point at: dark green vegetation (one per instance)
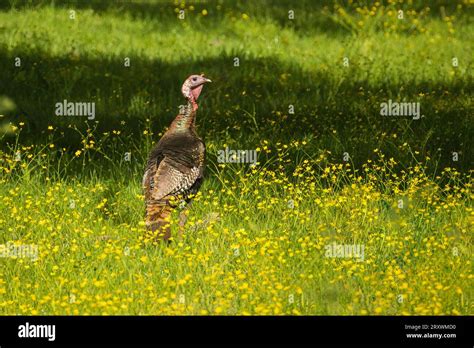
(282, 62)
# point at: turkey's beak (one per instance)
(207, 80)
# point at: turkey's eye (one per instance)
(194, 79)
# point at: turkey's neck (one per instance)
(186, 118)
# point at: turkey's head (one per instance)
(192, 87)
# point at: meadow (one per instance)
(304, 92)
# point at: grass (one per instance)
(257, 237)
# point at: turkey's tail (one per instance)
(158, 224)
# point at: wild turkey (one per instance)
(175, 165)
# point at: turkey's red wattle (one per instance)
(196, 92)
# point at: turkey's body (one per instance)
(174, 172)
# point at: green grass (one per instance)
(256, 238)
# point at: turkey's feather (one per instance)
(171, 178)
(174, 171)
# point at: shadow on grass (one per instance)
(243, 106)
